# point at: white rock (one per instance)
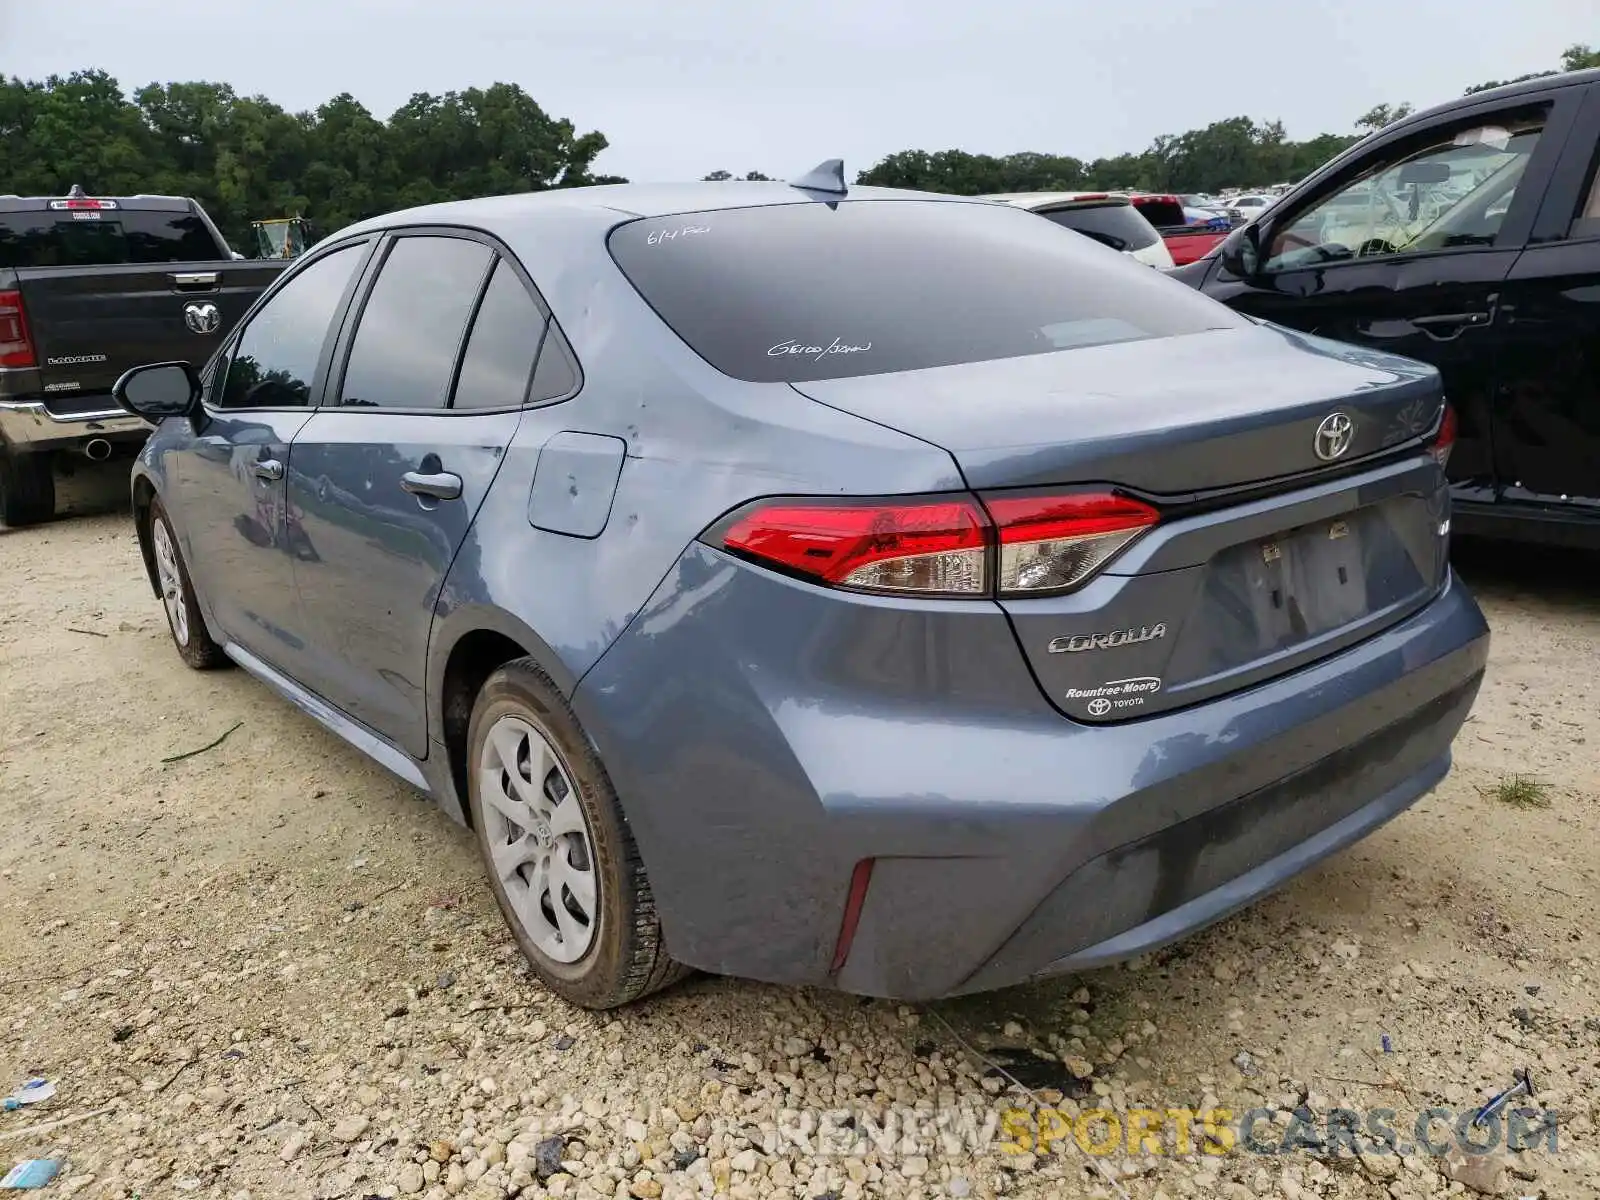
(291, 1148)
(350, 1129)
(410, 1180)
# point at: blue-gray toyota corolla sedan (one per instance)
(859, 588)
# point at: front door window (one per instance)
(1452, 191)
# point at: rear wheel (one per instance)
(561, 860)
(27, 489)
(188, 627)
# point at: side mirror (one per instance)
(1241, 253)
(158, 390)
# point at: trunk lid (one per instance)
(1267, 556)
(1167, 415)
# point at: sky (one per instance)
(687, 87)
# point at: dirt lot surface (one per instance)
(270, 970)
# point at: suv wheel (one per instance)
(560, 857)
(188, 627)
(27, 489)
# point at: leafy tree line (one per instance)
(1238, 152)
(245, 158)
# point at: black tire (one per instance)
(194, 642)
(27, 489)
(628, 959)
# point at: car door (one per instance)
(388, 474)
(1547, 405)
(228, 483)
(1407, 250)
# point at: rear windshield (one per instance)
(103, 238)
(1163, 214)
(1116, 225)
(797, 292)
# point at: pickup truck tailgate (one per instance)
(90, 324)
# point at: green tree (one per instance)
(1381, 115)
(245, 158)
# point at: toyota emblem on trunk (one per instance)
(1333, 436)
(201, 318)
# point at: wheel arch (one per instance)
(473, 645)
(144, 494)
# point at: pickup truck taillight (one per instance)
(16, 348)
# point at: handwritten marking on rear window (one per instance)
(817, 353)
(666, 235)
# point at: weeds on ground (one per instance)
(1519, 791)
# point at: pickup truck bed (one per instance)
(89, 288)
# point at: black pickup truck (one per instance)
(1467, 236)
(88, 288)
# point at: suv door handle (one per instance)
(267, 468)
(1448, 320)
(441, 485)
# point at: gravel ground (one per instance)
(271, 970)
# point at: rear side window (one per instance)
(411, 326)
(797, 292)
(275, 361)
(503, 345)
(103, 238)
(1116, 225)
(1162, 213)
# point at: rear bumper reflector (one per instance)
(860, 879)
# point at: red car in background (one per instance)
(1184, 241)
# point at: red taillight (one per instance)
(932, 547)
(1051, 543)
(16, 348)
(949, 546)
(1445, 439)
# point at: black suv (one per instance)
(1467, 236)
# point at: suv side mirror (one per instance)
(1241, 253)
(158, 390)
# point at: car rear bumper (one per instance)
(30, 426)
(764, 746)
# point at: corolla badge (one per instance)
(202, 318)
(1333, 436)
(1079, 642)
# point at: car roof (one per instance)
(1510, 91)
(616, 202)
(1044, 199)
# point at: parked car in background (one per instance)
(835, 586)
(89, 287)
(1467, 236)
(1252, 204)
(1108, 218)
(1185, 242)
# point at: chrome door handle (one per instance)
(267, 468)
(441, 485)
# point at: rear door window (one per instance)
(798, 292)
(1116, 225)
(503, 345)
(108, 237)
(411, 326)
